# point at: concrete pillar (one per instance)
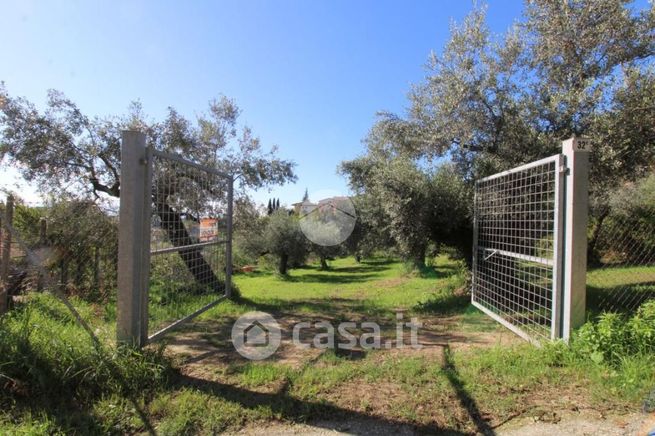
(576, 211)
(134, 240)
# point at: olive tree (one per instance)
(417, 205)
(62, 150)
(491, 102)
(582, 67)
(371, 232)
(283, 239)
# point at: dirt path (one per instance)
(206, 355)
(205, 346)
(588, 423)
(581, 424)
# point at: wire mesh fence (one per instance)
(621, 276)
(517, 219)
(189, 240)
(66, 247)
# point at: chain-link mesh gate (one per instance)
(518, 246)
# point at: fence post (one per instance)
(2, 257)
(43, 230)
(228, 246)
(133, 240)
(6, 254)
(576, 211)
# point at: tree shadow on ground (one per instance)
(437, 272)
(63, 399)
(340, 270)
(463, 395)
(355, 269)
(445, 303)
(63, 412)
(332, 277)
(624, 299)
(53, 398)
(320, 413)
(336, 308)
(297, 410)
(378, 261)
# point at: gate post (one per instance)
(228, 246)
(576, 211)
(133, 240)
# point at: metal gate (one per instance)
(517, 253)
(175, 240)
(190, 240)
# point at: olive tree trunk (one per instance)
(283, 264)
(200, 269)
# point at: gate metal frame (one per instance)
(554, 262)
(134, 239)
(569, 261)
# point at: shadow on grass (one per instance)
(378, 261)
(59, 401)
(38, 387)
(334, 274)
(321, 413)
(297, 410)
(336, 308)
(624, 299)
(362, 268)
(464, 397)
(438, 272)
(329, 276)
(52, 399)
(346, 274)
(446, 302)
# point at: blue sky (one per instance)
(309, 76)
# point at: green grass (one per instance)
(374, 287)
(619, 289)
(381, 282)
(260, 374)
(53, 376)
(54, 380)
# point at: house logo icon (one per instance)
(256, 335)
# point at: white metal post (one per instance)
(574, 268)
(145, 249)
(474, 254)
(558, 249)
(133, 240)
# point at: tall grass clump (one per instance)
(618, 352)
(48, 361)
(614, 336)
